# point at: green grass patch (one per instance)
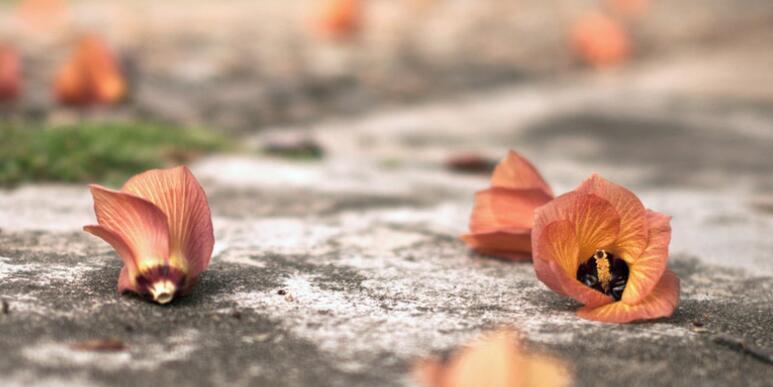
(107, 153)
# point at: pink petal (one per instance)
(596, 223)
(555, 263)
(179, 195)
(632, 238)
(646, 270)
(498, 208)
(515, 172)
(136, 227)
(514, 244)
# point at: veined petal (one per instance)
(632, 237)
(179, 195)
(596, 222)
(661, 302)
(555, 263)
(646, 270)
(510, 243)
(498, 208)
(134, 224)
(515, 172)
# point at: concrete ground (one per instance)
(343, 271)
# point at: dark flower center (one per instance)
(604, 272)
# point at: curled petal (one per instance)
(135, 226)
(632, 238)
(659, 303)
(646, 270)
(555, 263)
(179, 195)
(515, 172)
(596, 222)
(511, 243)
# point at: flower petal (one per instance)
(135, 225)
(515, 172)
(660, 303)
(632, 237)
(646, 270)
(512, 243)
(498, 208)
(555, 263)
(179, 195)
(596, 222)
(493, 361)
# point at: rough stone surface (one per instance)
(343, 271)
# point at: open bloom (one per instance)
(10, 73)
(496, 360)
(91, 76)
(161, 226)
(503, 216)
(600, 246)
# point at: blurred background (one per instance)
(340, 143)
(200, 76)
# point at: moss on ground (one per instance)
(96, 152)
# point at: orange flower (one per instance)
(600, 246)
(600, 40)
(10, 73)
(339, 19)
(496, 360)
(160, 225)
(91, 76)
(503, 216)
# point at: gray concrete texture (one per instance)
(345, 270)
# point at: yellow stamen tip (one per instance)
(162, 291)
(602, 268)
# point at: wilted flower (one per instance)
(503, 216)
(10, 73)
(600, 246)
(600, 40)
(496, 360)
(91, 76)
(160, 225)
(339, 19)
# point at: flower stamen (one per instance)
(604, 272)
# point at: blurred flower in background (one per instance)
(339, 19)
(10, 73)
(599, 40)
(91, 76)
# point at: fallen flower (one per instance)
(10, 73)
(599, 40)
(339, 19)
(600, 246)
(503, 215)
(496, 360)
(91, 76)
(161, 226)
